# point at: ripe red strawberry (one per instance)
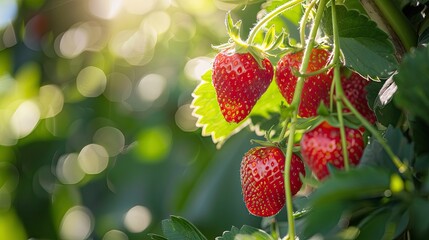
(262, 179)
(322, 145)
(239, 83)
(316, 88)
(354, 90)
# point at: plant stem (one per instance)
(398, 22)
(260, 24)
(295, 105)
(304, 21)
(338, 88)
(402, 168)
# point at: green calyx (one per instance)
(258, 51)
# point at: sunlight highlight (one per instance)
(25, 119)
(137, 219)
(105, 9)
(93, 159)
(115, 235)
(51, 101)
(76, 224)
(184, 118)
(68, 170)
(91, 81)
(112, 139)
(151, 87)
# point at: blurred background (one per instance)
(97, 140)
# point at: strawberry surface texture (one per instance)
(262, 179)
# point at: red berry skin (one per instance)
(322, 145)
(354, 90)
(239, 83)
(262, 180)
(316, 88)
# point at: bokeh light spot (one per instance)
(112, 139)
(9, 37)
(91, 81)
(93, 159)
(160, 21)
(115, 235)
(25, 119)
(68, 170)
(196, 67)
(118, 88)
(151, 87)
(105, 9)
(51, 101)
(136, 47)
(154, 144)
(137, 219)
(76, 224)
(8, 10)
(184, 118)
(138, 8)
(73, 42)
(201, 7)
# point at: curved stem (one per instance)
(402, 168)
(304, 22)
(295, 105)
(398, 22)
(260, 24)
(338, 87)
(314, 73)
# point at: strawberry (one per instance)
(354, 89)
(322, 145)
(316, 88)
(239, 83)
(262, 179)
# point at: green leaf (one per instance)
(211, 120)
(178, 228)
(379, 95)
(418, 218)
(419, 132)
(375, 155)
(156, 236)
(366, 48)
(385, 222)
(413, 81)
(322, 219)
(356, 183)
(245, 233)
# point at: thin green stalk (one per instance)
(339, 93)
(338, 88)
(304, 21)
(295, 105)
(260, 24)
(402, 168)
(314, 73)
(399, 22)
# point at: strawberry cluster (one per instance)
(241, 75)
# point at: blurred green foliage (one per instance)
(97, 139)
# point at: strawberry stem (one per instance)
(294, 105)
(261, 23)
(304, 21)
(398, 22)
(306, 75)
(338, 88)
(402, 167)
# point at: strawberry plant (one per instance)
(348, 94)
